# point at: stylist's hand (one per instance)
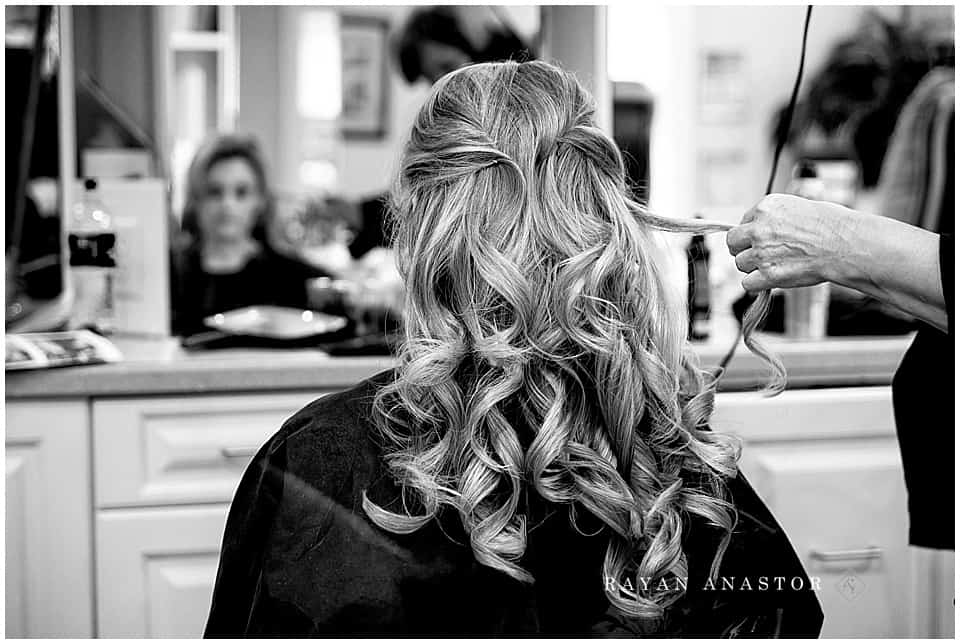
(786, 241)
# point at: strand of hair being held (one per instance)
(756, 313)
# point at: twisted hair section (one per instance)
(543, 350)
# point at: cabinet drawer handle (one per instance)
(238, 452)
(860, 554)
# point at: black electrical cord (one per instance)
(781, 141)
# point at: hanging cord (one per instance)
(781, 142)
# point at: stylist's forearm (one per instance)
(896, 263)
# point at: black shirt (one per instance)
(267, 278)
(923, 405)
(300, 557)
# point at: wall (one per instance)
(257, 54)
(266, 88)
(661, 46)
(367, 166)
(575, 36)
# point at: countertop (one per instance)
(162, 367)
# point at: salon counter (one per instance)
(120, 477)
(162, 367)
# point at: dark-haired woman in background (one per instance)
(225, 260)
(437, 40)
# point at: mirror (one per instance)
(323, 97)
(319, 102)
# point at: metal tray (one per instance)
(275, 322)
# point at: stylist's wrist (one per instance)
(845, 262)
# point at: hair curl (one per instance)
(543, 346)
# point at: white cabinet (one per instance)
(152, 512)
(827, 463)
(164, 450)
(166, 469)
(49, 574)
(156, 578)
(844, 506)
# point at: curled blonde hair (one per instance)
(542, 347)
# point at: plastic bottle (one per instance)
(806, 307)
(698, 288)
(92, 241)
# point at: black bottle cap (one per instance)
(90, 184)
(805, 170)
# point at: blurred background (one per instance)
(321, 98)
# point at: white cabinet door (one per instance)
(843, 505)
(49, 573)
(806, 414)
(156, 570)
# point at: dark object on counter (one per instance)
(267, 278)
(698, 289)
(217, 339)
(375, 344)
(300, 557)
(924, 401)
(632, 117)
(372, 232)
(338, 343)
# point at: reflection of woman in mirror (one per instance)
(540, 460)
(224, 260)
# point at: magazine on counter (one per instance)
(58, 349)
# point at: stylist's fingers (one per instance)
(756, 281)
(747, 260)
(768, 276)
(739, 239)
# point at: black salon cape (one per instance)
(923, 405)
(300, 557)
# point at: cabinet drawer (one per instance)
(161, 451)
(843, 505)
(803, 414)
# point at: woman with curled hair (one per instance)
(539, 461)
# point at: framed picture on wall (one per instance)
(363, 52)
